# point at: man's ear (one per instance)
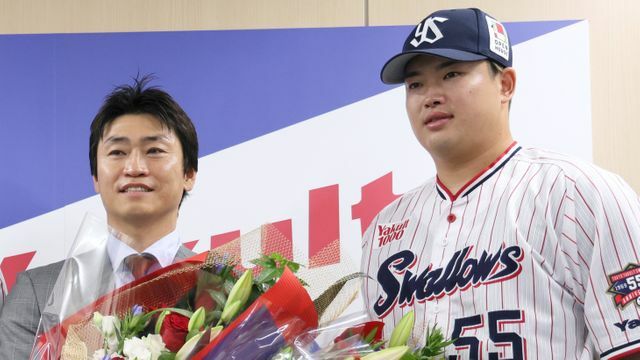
(507, 84)
(189, 179)
(95, 184)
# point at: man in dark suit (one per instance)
(143, 152)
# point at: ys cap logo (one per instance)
(427, 27)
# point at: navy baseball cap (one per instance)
(458, 34)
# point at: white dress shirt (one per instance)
(164, 250)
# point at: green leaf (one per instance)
(264, 261)
(135, 321)
(293, 266)
(165, 355)
(273, 266)
(435, 344)
(266, 274)
(218, 297)
(182, 312)
(191, 334)
(160, 320)
(371, 335)
(213, 317)
(277, 257)
(410, 356)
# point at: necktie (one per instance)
(141, 264)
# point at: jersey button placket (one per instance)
(451, 218)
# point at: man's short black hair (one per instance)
(137, 99)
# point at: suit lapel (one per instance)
(183, 253)
(107, 278)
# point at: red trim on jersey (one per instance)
(625, 354)
(453, 197)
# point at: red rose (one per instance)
(174, 330)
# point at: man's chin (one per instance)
(439, 146)
(135, 216)
(140, 215)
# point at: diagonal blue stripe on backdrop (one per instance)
(235, 85)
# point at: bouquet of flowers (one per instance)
(218, 299)
(211, 306)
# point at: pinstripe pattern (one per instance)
(573, 223)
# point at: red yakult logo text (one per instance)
(390, 232)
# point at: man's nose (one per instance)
(136, 164)
(433, 98)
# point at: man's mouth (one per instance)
(437, 116)
(437, 120)
(133, 188)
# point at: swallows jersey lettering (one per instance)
(461, 272)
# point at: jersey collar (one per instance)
(479, 178)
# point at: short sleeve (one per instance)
(602, 215)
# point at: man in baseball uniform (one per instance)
(514, 252)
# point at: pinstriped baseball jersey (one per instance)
(533, 258)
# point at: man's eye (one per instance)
(155, 151)
(451, 74)
(413, 85)
(116, 153)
